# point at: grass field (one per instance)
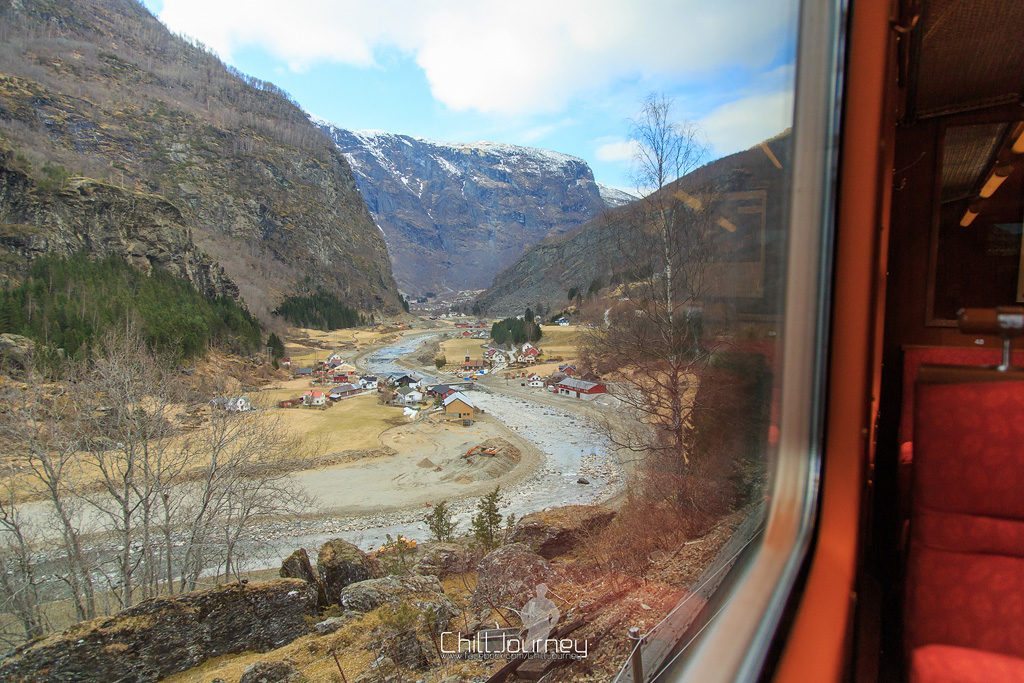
(455, 350)
(556, 342)
(351, 424)
(305, 346)
(561, 341)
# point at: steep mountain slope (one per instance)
(100, 220)
(546, 271)
(454, 215)
(100, 88)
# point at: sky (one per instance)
(566, 75)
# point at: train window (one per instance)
(510, 408)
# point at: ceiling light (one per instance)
(995, 179)
(969, 216)
(1018, 142)
(973, 209)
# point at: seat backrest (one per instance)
(916, 356)
(965, 573)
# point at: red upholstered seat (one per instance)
(965, 573)
(913, 358)
(949, 664)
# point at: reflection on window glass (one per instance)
(385, 342)
(977, 224)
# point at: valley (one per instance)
(283, 400)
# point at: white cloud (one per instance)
(616, 150)
(496, 56)
(744, 122)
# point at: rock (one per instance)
(557, 531)
(163, 636)
(340, 563)
(422, 592)
(443, 559)
(330, 625)
(16, 353)
(582, 480)
(271, 672)
(508, 576)
(404, 650)
(298, 566)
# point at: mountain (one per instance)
(454, 215)
(613, 196)
(102, 90)
(752, 180)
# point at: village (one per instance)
(395, 417)
(335, 378)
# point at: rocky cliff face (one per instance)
(159, 637)
(100, 220)
(455, 215)
(99, 88)
(547, 270)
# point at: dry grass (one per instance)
(305, 346)
(455, 350)
(351, 424)
(561, 341)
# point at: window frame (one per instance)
(734, 638)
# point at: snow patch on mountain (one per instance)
(613, 196)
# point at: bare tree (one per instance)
(39, 430)
(19, 580)
(652, 337)
(129, 432)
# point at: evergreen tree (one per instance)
(486, 523)
(441, 522)
(321, 310)
(276, 346)
(66, 303)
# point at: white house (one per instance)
(368, 382)
(314, 398)
(535, 382)
(237, 404)
(409, 396)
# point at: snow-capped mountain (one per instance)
(613, 196)
(454, 215)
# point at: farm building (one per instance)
(303, 372)
(458, 405)
(314, 398)
(578, 388)
(343, 390)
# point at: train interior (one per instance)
(940, 577)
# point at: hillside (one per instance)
(456, 214)
(548, 270)
(100, 88)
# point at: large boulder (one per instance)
(298, 566)
(551, 533)
(422, 592)
(15, 353)
(340, 563)
(508, 577)
(444, 559)
(272, 672)
(163, 636)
